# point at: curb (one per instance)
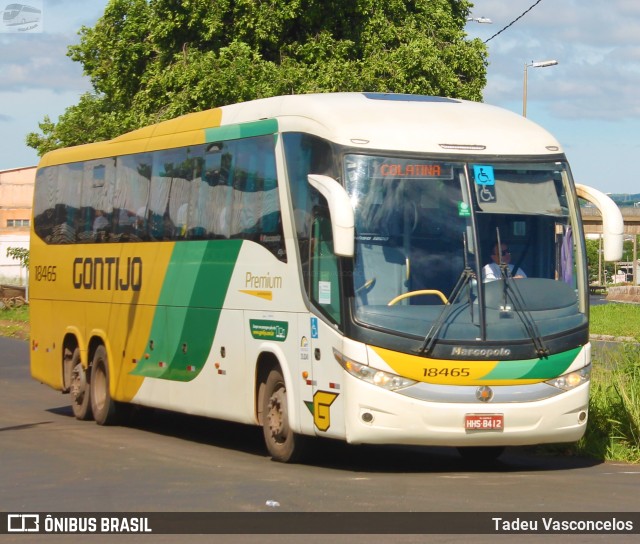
(610, 338)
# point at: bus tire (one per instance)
(102, 405)
(283, 444)
(79, 388)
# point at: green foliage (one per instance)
(593, 261)
(627, 249)
(613, 431)
(151, 60)
(19, 254)
(608, 268)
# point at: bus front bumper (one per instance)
(376, 416)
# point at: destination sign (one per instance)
(415, 170)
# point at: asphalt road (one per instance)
(597, 300)
(165, 462)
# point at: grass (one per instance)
(621, 320)
(14, 322)
(613, 431)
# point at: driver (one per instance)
(492, 271)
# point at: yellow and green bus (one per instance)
(313, 264)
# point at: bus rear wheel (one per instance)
(282, 443)
(102, 405)
(79, 388)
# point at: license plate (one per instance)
(484, 422)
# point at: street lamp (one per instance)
(532, 64)
(481, 20)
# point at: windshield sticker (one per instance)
(487, 193)
(483, 174)
(324, 292)
(463, 209)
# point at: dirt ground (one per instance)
(14, 329)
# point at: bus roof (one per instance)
(376, 121)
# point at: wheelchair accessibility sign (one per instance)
(486, 182)
(483, 174)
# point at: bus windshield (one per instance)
(464, 250)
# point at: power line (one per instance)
(514, 21)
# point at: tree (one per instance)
(150, 60)
(19, 254)
(607, 268)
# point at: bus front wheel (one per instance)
(283, 444)
(102, 405)
(79, 388)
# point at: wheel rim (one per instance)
(78, 384)
(277, 416)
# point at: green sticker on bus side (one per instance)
(269, 330)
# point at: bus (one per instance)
(312, 264)
(20, 14)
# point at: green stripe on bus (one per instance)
(189, 308)
(529, 369)
(242, 130)
(509, 370)
(553, 366)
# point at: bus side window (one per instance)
(195, 202)
(131, 197)
(97, 201)
(324, 277)
(204, 205)
(305, 154)
(169, 191)
(223, 193)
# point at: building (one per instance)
(16, 197)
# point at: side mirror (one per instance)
(341, 211)
(612, 222)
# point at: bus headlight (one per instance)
(383, 379)
(572, 379)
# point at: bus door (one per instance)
(325, 320)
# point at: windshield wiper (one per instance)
(466, 276)
(512, 294)
(512, 301)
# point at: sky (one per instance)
(590, 100)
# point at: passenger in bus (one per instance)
(101, 226)
(492, 271)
